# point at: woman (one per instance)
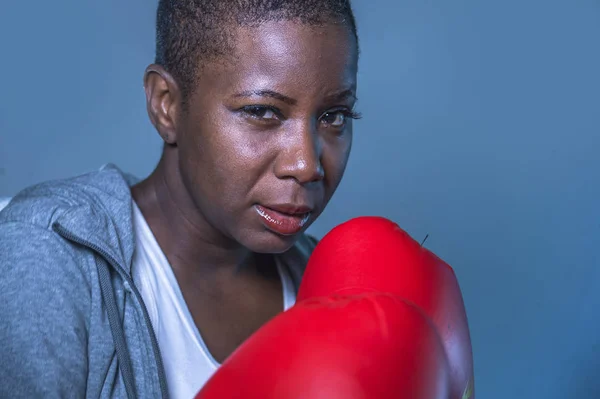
(117, 288)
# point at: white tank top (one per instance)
(188, 363)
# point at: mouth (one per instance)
(285, 219)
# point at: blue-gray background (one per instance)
(481, 128)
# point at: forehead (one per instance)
(288, 56)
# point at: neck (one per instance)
(192, 245)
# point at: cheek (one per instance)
(240, 155)
(226, 159)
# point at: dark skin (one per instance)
(270, 125)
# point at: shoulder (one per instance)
(41, 204)
(33, 253)
(35, 258)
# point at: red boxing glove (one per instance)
(372, 346)
(377, 316)
(372, 254)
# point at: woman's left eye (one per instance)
(337, 118)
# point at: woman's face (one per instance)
(266, 138)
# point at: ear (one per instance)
(163, 99)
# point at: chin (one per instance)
(268, 242)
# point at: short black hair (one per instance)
(192, 32)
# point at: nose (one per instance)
(300, 156)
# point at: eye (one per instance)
(338, 118)
(261, 112)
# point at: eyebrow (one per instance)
(267, 93)
(342, 95)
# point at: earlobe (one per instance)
(161, 101)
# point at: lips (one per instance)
(284, 219)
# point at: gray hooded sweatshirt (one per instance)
(72, 322)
